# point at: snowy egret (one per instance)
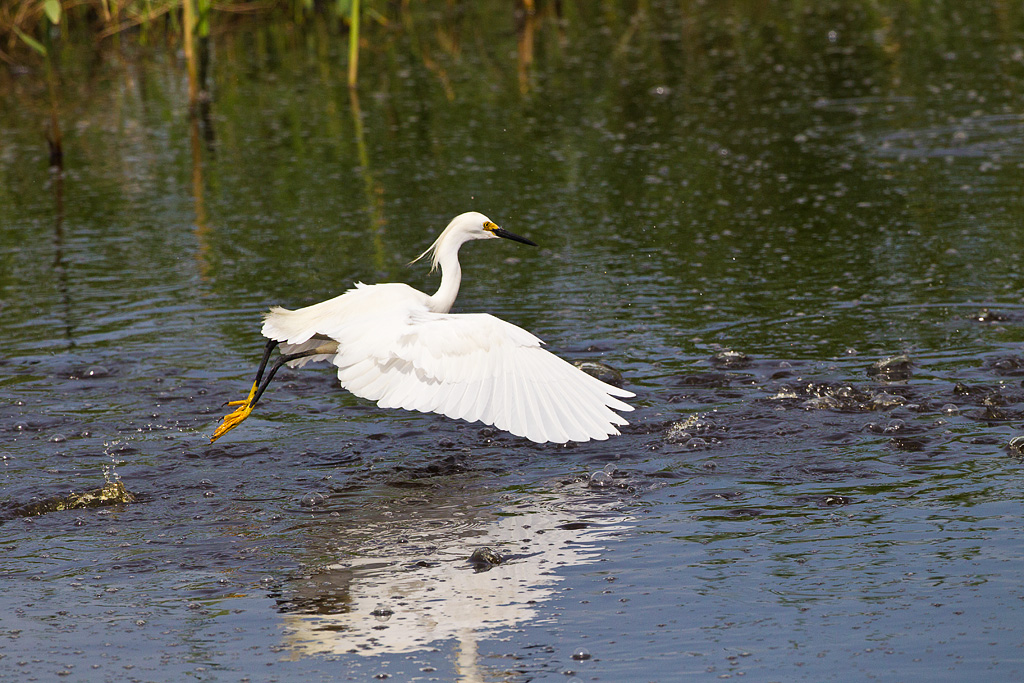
(402, 348)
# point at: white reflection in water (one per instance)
(399, 601)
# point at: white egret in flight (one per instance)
(402, 348)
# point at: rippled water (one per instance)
(746, 214)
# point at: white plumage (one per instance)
(402, 348)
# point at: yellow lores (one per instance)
(403, 349)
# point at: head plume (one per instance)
(457, 225)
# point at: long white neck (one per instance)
(451, 278)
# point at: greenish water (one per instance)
(817, 187)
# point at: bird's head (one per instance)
(463, 228)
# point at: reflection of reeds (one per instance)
(374, 198)
(188, 32)
(353, 44)
(59, 266)
(524, 43)
(53, 137)
(433, 39)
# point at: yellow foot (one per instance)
(235, 418)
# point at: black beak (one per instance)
(501, 232)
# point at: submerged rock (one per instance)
(111, 493)
(484, 558)
(727, 358)
(601, 371)
(987, 315)
(1007, 365)
(685, 431)
(892, 369)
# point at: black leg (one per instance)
(284, 358)
(271, 345)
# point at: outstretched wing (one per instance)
(478, 367)
(465, 366)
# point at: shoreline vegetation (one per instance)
(46, 45)
(33, 33)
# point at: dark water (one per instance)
(817, 189)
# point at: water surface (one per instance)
(816, 190)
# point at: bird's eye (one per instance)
(490, 226)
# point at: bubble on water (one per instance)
(950, 409)
(58, 438)
(1017, 444)
(96, 371)
(312, 499)
(382, 612)
(600, 480)
(581, 654)
(610, 468)
(896, 425)
(696, 444)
